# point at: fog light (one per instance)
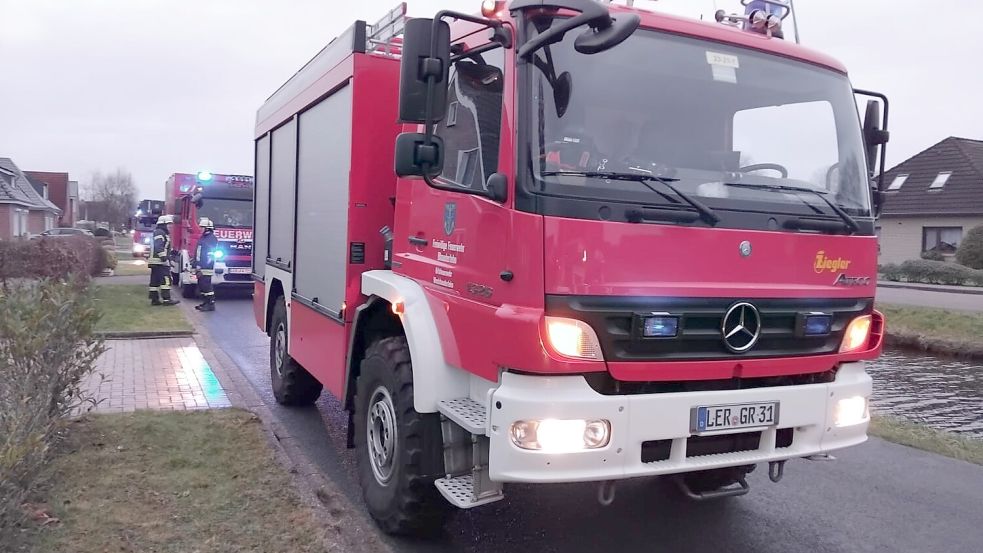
(851, 411)
(561, 436)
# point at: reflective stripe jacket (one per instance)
(205, 254)
(160, 247)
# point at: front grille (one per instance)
(616, 319)
(237, 277)
(654, 451)
(247, 262)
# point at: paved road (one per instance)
(925, 298)
(876, 497)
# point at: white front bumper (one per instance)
(635, 419)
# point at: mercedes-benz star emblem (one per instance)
(745, 248)
(741, 327)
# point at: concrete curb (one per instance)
(329, 504)
(973, 290)
(149, 335)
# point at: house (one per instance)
(61, 191)
(932, 200)
(22, 210)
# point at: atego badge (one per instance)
(450, 217)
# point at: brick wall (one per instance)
(35, 221)
(57, 193)
(901, 237)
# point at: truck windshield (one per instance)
(705, 115)
(228, 213)
(145, 223)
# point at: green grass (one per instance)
(126, 308)
(132, 268)
(933, 323)
(173, 482)
(928, 439)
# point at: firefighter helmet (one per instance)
(165, 219)
(206, 223)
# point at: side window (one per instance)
(472, 128)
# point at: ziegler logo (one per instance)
(844, 280)
(824, 263)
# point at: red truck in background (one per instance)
(142, 225)
(228, 201)
(570, 241)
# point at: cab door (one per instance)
(457, 236)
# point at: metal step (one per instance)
(466, 412)
(459, 491)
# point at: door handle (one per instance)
(419, 241)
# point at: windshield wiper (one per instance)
(707, 214)
(851, 223)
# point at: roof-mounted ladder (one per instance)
(383, 36)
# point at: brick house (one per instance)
(932, 200)
(57, 188)
(22, 210)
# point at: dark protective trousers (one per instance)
(205, 287)
(160, 282)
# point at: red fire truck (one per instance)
(570, 241)
(142, 225)
(227, 201)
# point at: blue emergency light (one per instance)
(660, 325)
(218, 254)
(204, 176)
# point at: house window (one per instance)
(49, 221)
(18, 223)
(941, 239)
(940, 180)
(898, 182)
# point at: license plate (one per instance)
(238, 270)
(715, 418)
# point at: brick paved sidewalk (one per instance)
(167, 373)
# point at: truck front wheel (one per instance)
(292, 384)
(398, 449)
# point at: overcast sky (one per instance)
(164, 86)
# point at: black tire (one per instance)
(189, 291)
(292, 384)
(406, 502)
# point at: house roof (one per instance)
(16, 189)
(925, 192)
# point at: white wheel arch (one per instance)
(433, 378)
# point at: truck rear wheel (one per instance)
(398, 449)
(292, 384)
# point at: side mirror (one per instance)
(422, 78)
(198, 200)
(415, 157)
(874, 135)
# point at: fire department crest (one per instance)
(450, 217)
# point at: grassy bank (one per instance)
(928, 439)
(931, 330)
(126, 308)
(201, 481)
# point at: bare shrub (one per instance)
(47, 350)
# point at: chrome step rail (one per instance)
(463, 424)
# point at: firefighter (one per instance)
(205, 264)
(160, 269)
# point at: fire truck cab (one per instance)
(569, 241)
(227, 201)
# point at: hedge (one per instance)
(970, 252)
(54, 258)
(931, 272)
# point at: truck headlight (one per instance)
(857, 334)
(138, 248)
(561, 436)
(851, 411)
(573, 338)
